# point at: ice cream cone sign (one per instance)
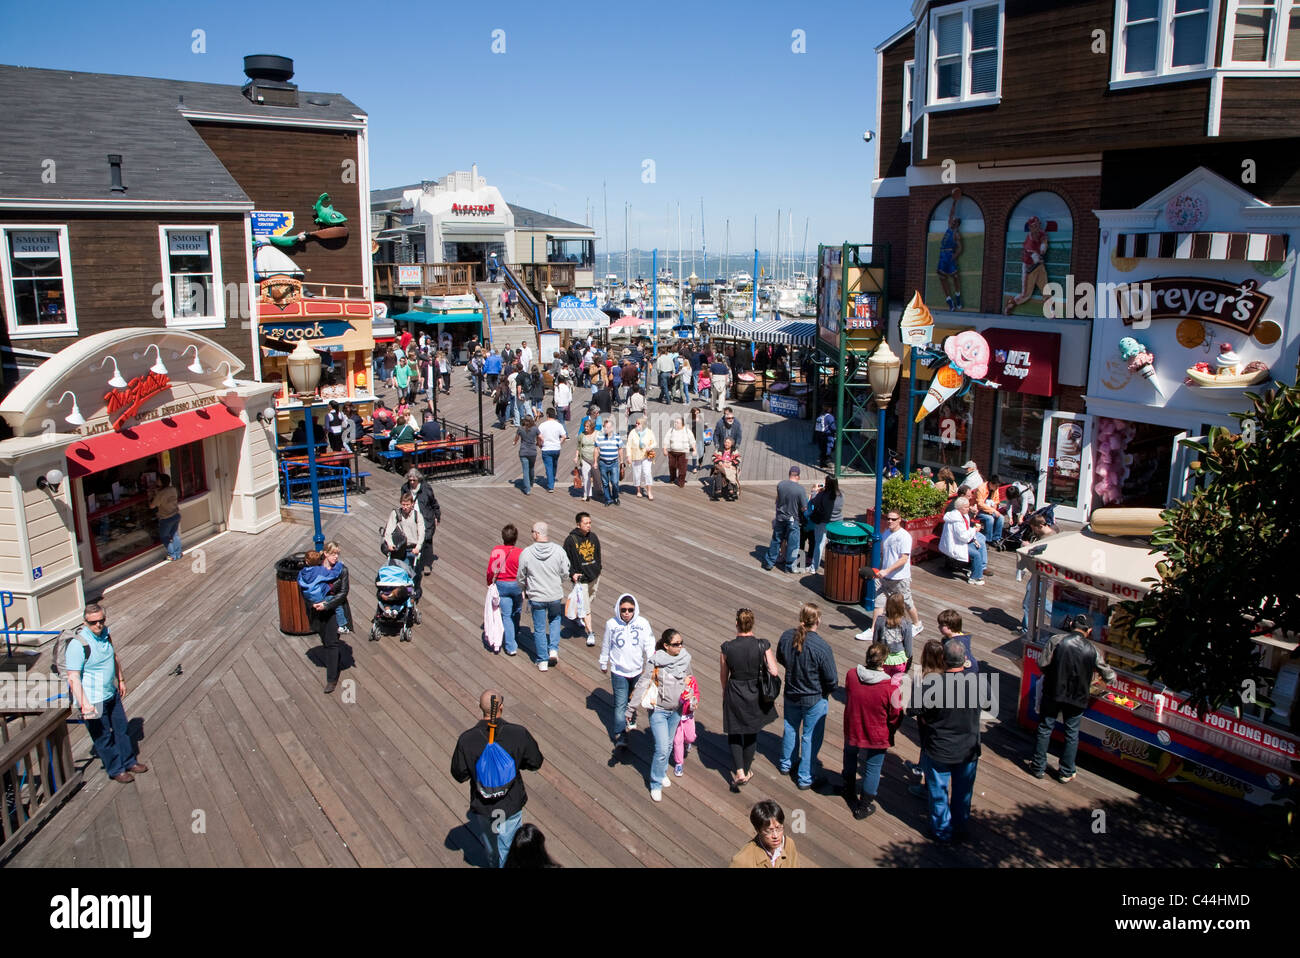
(917, 324)
(968, 362)
(1140, 360)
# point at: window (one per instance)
(965, 54)
(1263, 35)
(909, 76)
(1156, 38)
(37, 279)
(192, 291)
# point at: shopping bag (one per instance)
(575, 607)
(493, 626)
(708, 435)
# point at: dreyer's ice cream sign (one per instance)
(1238, 306)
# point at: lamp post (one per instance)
(882, 372)
(304, 374)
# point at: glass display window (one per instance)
(945, 436)
(1018, 455)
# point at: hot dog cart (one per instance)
(1235, 756)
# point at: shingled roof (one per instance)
(77, 119)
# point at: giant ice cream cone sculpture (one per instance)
(945, 383)
(1140, 360)
(917, 324)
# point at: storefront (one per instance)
(95, 426)
(454, 322)
(1197, 288)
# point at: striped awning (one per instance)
(773, 331)
(1250, 247)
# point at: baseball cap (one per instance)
(954, 654)
(970, 464)
(794, 470)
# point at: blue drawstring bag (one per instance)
(495, 770)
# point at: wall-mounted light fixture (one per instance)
(117, 382)
(266, 416)
(195, 367)
(229, 382)
(157, 367)
(75, 417)
(50, 481)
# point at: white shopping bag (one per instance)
(576, 605)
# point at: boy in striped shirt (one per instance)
(610, 448)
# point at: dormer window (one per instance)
(965, 55)
(1161, 38)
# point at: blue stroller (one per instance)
(394, 586)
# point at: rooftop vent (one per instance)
(268, 80)
(115, 172)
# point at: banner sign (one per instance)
(865, 311)
(408, 275)
(1238, 306)
(293, 332)
(784, 406)
(271, 222)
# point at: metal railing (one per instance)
(36, 772)
(528, 300)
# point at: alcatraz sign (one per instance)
(1238, 306)
(464, 209)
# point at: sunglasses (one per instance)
(627, 608)
(673, 645)
(96, 621)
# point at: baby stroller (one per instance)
(1016, 536)
(395, 610)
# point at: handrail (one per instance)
(525, 295)
(36, 774)
(436, 279)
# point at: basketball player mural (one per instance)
(1033, 264)
(950, 247)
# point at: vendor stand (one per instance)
(1229, 756)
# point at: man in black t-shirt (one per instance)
(495, 821)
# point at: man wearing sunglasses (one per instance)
(95, 678)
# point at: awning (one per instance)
(1022, 361)
(1248, 247)
(578, 317)
(433, 319)
(773, 331)
(108, 450)
(630, 322)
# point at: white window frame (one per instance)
(1163, 71)
(1277, 42)
(217, 321)
(967, 99)
(908, 69)
(68, 328)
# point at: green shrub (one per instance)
(913, 498)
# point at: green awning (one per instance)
(437, 318)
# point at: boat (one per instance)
(741, 281)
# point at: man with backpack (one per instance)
(95, 680)
(1068, 661)
(490, 757)
(824, 436)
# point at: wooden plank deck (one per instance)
(286, 776)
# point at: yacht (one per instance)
(741, 281)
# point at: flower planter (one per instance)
(925, 543)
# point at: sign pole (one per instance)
(319, 539)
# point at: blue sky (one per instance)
(584, 94)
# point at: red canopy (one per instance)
(107, 450)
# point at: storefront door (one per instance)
(1065, 453)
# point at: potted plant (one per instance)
(919, 503)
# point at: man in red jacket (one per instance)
(871, 715)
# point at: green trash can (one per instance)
(848, 549)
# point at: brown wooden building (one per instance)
(1003, 125)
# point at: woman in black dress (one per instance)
(743, 716)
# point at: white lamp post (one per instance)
(304, 374)
(882, 372)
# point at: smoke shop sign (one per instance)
(1238, 306)
(293, 332)
(463, 209)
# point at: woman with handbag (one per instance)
(660, 689)
(703, 433)
(503, 571)
(810, 680)
(641, 452)
(625, 649)
(585, 456)
(748, 698)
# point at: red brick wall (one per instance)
(889, 225)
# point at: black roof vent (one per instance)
(266, 66)
(115, 172)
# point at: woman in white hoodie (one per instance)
(670, 667)
(626, 647)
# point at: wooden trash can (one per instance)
(848, 546)
(294, 619)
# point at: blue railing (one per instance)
(324, 474)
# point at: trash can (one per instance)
(848, 547)
(294, 619)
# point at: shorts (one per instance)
(591, 589)
(888, 587)
(947, 265)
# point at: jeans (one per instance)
(512, 603)
(871, 773)
(992, 526)
(622, 687)
(789, 530)
(530, 467)
(813, 719)
(663, 726)
(946, 818)
(169, 531)
(1070, 717)
(546, 640)
(496, 840)
(665, 387)
(979, 556)
(609, 479)
(819, 544)
(112, 743)
(549, 459)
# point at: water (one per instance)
(718, 265)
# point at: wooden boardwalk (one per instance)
(251, 765)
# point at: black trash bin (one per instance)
(294, 619)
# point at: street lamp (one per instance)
(304, 374)
(882, 372)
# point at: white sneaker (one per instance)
(918, 630)
(976, 582)
(668, 782)
(591, 639)
(656, 795)
(542, 666)
(864, 636)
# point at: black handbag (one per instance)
(769, 685)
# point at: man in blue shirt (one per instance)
(610, 446)
(492, 368)
(95, 679)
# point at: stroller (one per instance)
(394, 586)
(1016, 536)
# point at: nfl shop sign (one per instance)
(863, 315)
(1023, 362)
(464, 209)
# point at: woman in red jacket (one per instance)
(871, 715)
(503, 569)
